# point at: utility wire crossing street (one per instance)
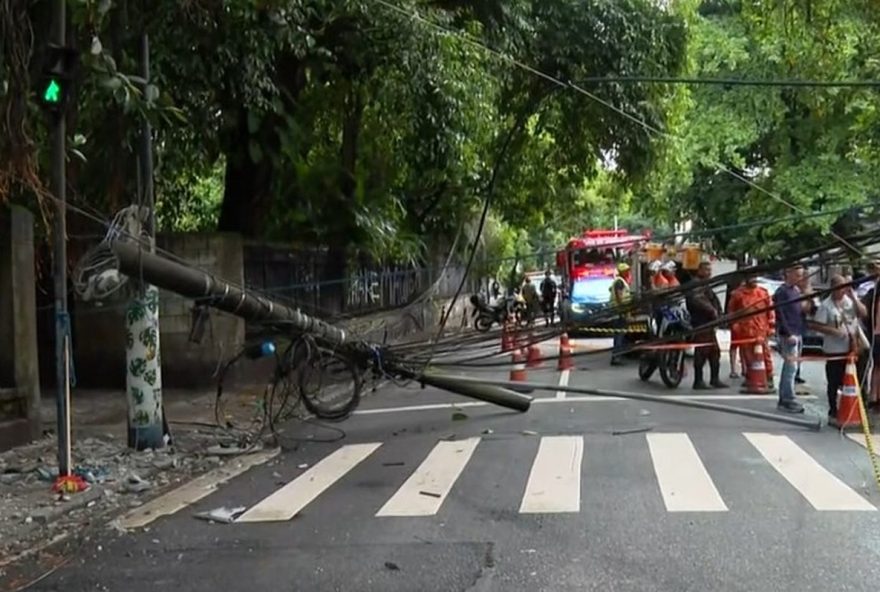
(554, 478)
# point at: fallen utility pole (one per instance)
(806, 423)
(136, 261)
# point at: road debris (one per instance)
(458, 416)
(391, 566)
(529, 433)
(223, 515)
(624, 431)
(393, 464)
(430, 494)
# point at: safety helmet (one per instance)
(622, 267)
(654, 266)
(668, 266)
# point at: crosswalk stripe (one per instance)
(823, 490)
(859, 438)
(684, 482)
(563, 381)
(554, 483)
(286, 502)
(427, 488)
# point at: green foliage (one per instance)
(344, 124)
(808, 149)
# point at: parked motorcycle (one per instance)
(673, 320)
(486, 315)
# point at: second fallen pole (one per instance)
(805, 423)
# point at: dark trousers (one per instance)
(707, 350)
(834, 371)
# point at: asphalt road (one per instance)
(564, 497)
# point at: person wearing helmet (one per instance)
(620, 297)
(667, 270)
(657, 279)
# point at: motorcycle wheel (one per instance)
(482, 323)
(647, 366)
(672, 368)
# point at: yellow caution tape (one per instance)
(869, 444)
(643, 328)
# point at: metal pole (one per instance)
(483, 392)
(182, 279)
(814, 424)
(58, 187)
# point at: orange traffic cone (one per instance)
(506, 338)
(565, 360)
(849, 411)
(756, 374)
(518, 372)
(534, 352)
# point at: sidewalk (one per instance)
(31, 515)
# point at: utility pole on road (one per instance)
(143, 379)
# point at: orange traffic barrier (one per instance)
(849, 412)
(534, 352)
(756, 373)
(518, 371)
(565, 360)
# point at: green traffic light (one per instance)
(52, 94)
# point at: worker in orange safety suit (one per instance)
(750, 297)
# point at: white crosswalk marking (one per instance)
(555, 480)
(823, 490)
(859, 438)
(427, 488)
(684, 482)
(285, 503)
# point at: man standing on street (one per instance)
(837, 320)
(753, 304)
(548, 297)
(790, 333)
(620, 297)
(704, 308)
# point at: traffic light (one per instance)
(57, 77)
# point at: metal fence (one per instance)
(294, 276)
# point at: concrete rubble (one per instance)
(119, 479)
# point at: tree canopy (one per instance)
(381, 127)
(346, 123)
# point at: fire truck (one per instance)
(589, 263)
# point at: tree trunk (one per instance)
(246, 194)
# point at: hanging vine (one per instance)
(19, 175)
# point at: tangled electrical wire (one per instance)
(307, 379)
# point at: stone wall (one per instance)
(19, 368)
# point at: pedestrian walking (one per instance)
(837, 318)
(790, 334)
(705, 308)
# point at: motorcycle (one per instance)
(674, 320)
(486, 315)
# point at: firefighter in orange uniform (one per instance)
(750, 298)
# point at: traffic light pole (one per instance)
(58, 188)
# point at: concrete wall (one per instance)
(99, 335)
(19, 367)
(186, 364)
